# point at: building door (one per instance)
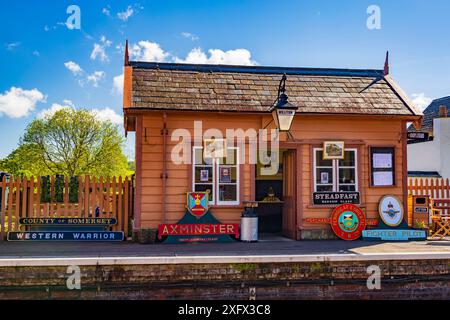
(289, 194)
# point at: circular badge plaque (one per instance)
(391, 211)
(348, 222)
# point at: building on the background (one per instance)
(430, 157)
(356, 118)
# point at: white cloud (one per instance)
(73, 67)
(105, 114)
(125, 15)
(118, 84)
(148, 51)
(105, 41)
(421, 101)
(108, 114)
(99, 50)
(17, 102)
(95, 77)
(12, 46)
(217, 56)
(189, 35)
(48, 113)
(84, 77)
(68, 103)
(106, 11)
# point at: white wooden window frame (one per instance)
(215, 178)
(335, 169)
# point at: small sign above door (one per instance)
(418, 135)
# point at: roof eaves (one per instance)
(402, 95)
(257, 69)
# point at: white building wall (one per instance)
(442, 126)
(432, 155)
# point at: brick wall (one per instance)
(416, 279)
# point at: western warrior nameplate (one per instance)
(82, 236)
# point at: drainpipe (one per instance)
(164, 133)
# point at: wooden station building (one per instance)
(364, 111)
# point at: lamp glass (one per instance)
(283, 118)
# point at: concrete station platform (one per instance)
(278, 249)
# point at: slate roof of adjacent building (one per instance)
(171, 86)
(431, 113)
(424, 174)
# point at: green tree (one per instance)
(72, 143)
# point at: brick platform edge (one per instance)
(412, 278)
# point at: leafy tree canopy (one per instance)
(70, 142)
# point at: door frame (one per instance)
(294, 233)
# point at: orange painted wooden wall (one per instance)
(310, 131)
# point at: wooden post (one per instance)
(52, 196)
(126, 203)
(114, 199)
(119, 206)
(17, 208)
(108, 197)
(93, 197)
(80, 196)
(38, 198)
(24, 198)
(101, 196)
(10, 201)
(86, 196)
(433, 189)
(67, 212)
(31, 198)
(3, 209)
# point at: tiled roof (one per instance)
(431, 113)
(424, 174)
(170, 86)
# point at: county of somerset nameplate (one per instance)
(68, 221)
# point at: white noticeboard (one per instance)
(383, 178)
(382, 160)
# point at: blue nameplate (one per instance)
(394, 235)
(81, 236)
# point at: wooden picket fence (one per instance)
(436, 188)
(106, 198)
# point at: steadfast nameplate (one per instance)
(80, 236)
(335, 198)
(68, 221)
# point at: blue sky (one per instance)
(45, 65)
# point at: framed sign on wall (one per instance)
(382, 166)
(333, 150)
